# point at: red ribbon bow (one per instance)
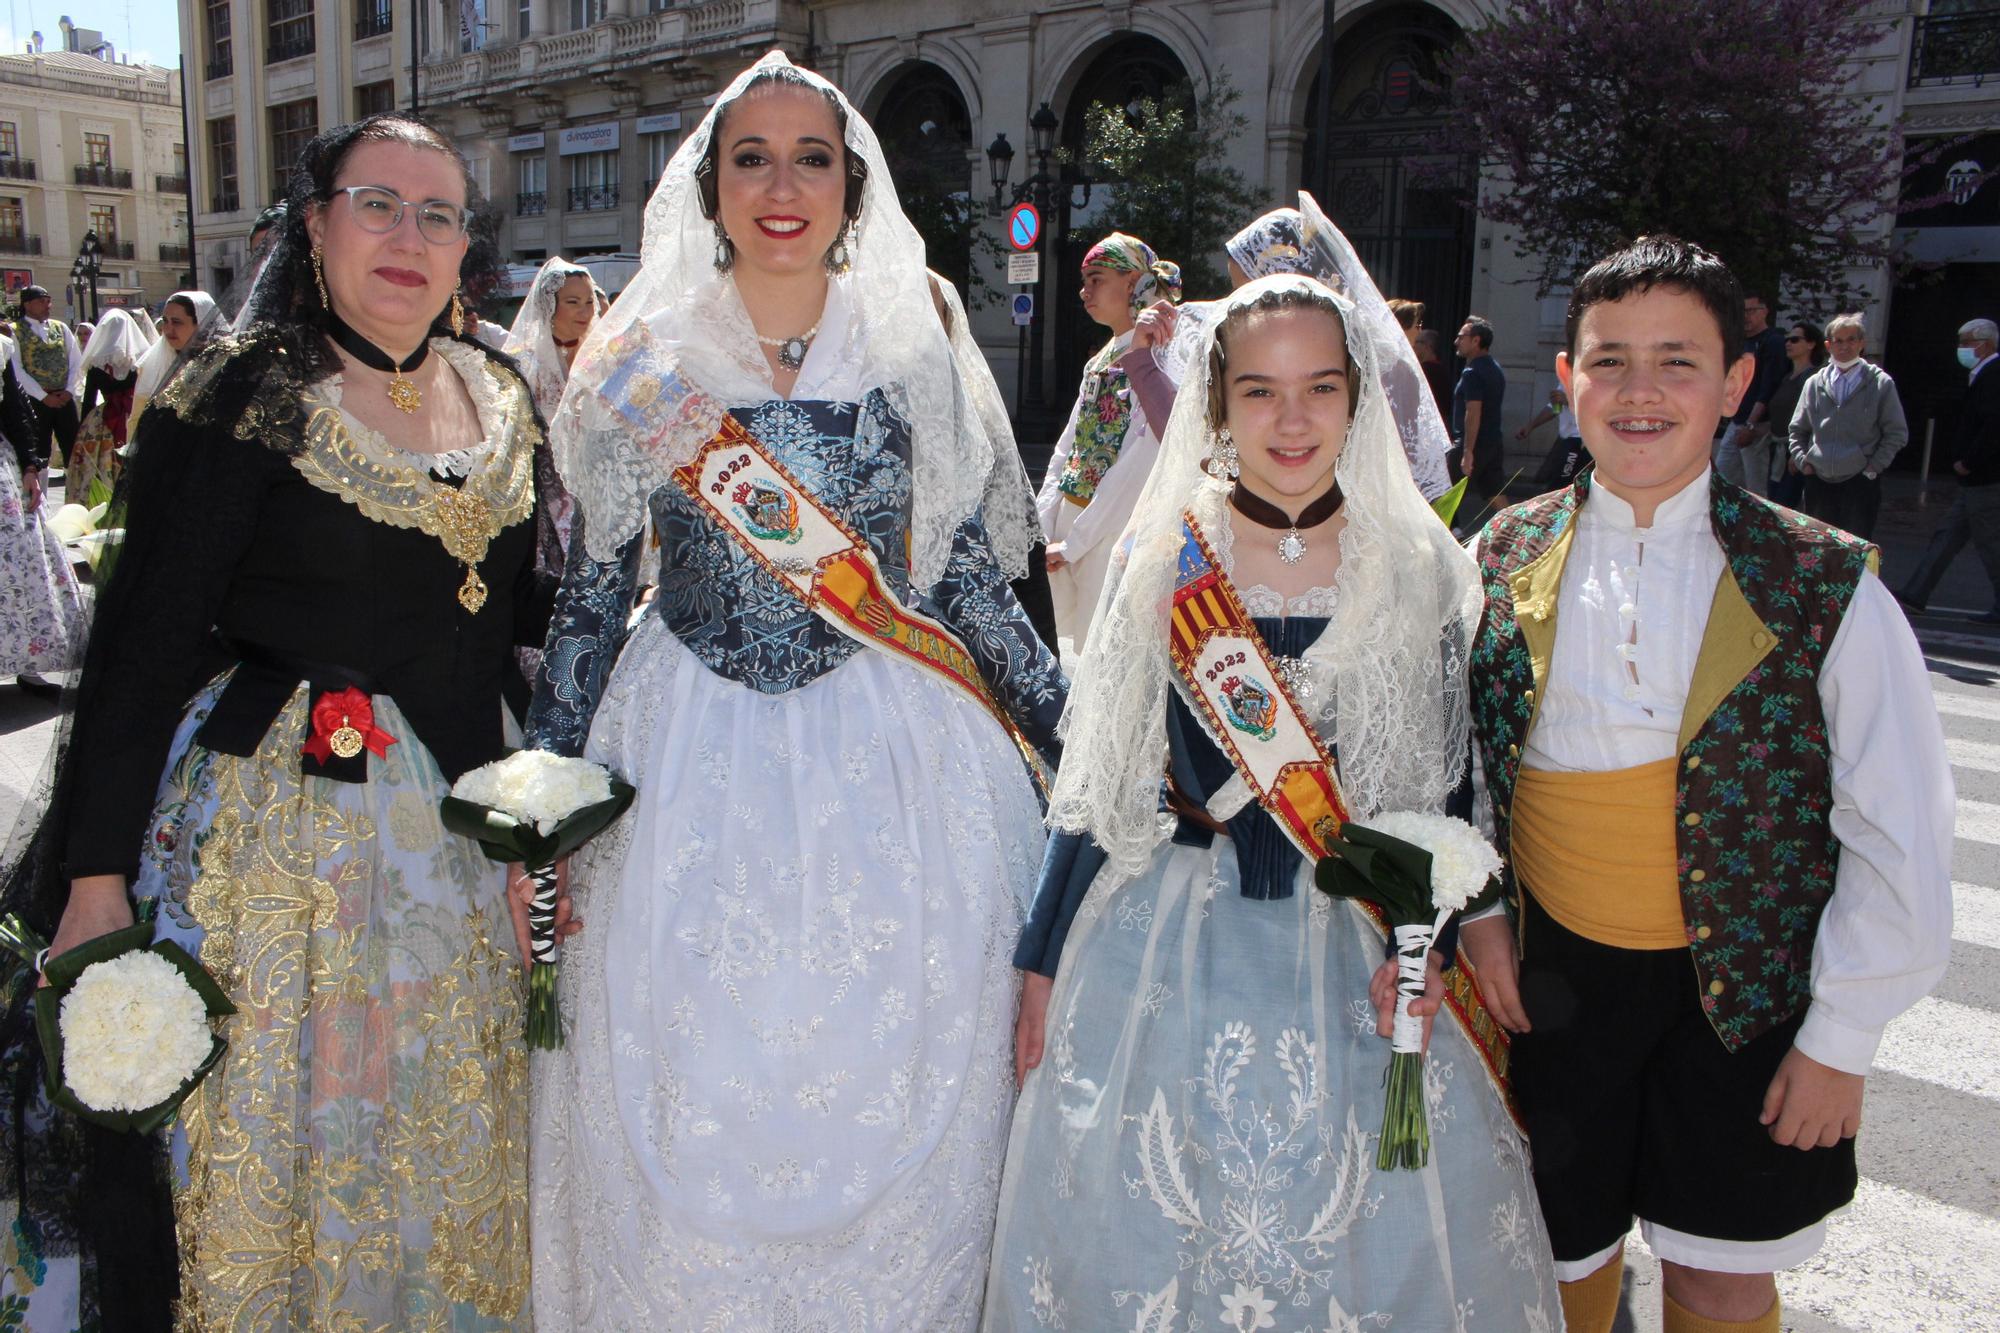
(350, 709)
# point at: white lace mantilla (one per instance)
(1317, 601)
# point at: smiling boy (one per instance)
(1722, 791)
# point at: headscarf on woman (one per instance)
(659, 370)
(532, 340)
(115, 345)
(1407, 594)
(161, 357)
(1160, 279)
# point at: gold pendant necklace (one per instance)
(403, 392)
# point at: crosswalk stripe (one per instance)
(1900, 1260)
(1978, 821)
(1982, 755)
(1984, 707)
(1975, 915)
(1944, 1043)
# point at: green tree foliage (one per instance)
(961, 241)
(1167, 168)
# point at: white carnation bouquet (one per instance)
(536, 808)
(1415, 870)
(126, 1023)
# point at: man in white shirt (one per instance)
(1721, 787)
(47, 365)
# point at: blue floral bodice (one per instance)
(744, 624)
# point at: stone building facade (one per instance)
(569, 109)
(89, 144)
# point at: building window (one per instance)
(220, 47)
(104, 221)
(290, 31)
(659, 149)
(593, 182)
(293, 125)
(13, 221)
(583, 13)
(374, 98)
(531, 197)
(10, 139)
(372, 18)
(222, 165)
(524, 21)
(97, 150)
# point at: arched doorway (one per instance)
(1396, 199)
(1130, 69)
(926, 134)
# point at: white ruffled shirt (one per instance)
(1631, 612)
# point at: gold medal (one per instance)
(345, 741)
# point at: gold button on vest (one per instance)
(1715, 988)
(1692, 821)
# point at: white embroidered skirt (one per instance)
(1197, 1149)
(788, 1076)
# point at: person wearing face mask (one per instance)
(330, 554)
(1975, 514)
(785, 1088)
(1202, 1046)
(1106, 450)
(1848, 427)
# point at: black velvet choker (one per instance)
(402, 390)
(1291, 546)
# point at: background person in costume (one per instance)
(786, 1086)
(1718, 776)
(181, 319)
(42, 611)
(1207, 1055)
(559, 311)
(47, 367)
(292, 661)
(1107, 448)
(1277, 243)
(110, 369)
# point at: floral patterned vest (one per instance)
(1755, 784)
(1103, 416)
(46, 359)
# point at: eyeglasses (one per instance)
(1794, 338)
(380, 211)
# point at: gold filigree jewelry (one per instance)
(465, 527)
(457, 317)
(319, 276)
(345, 741)
(403, 392)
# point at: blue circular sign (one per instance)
(1024, 226)
(1024, 304)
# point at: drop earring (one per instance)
(457, 317)
(725, 253)
(1223, 461)
(840, 257)
(319, 277)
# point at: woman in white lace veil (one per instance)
(1301, 240)
(535, 342)
(783, 1098)
(1212, 1052)
(183, 316)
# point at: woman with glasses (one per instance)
(1805, 347)
(330, 556)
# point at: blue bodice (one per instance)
(742, 623)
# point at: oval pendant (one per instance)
(792, 353)
(1292, 547)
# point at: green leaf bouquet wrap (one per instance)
(536, 808)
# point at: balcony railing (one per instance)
(176, 254)
(171, 184)
(17, 168)
(220, 66)
(373, 21)
(288, 47)
(1954, 47)
(108, 178)
(592, 198)
(531, 204)
(224, 201)
(19, 243)
(116, 249)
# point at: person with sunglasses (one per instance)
(331, 553)
(1805, 352)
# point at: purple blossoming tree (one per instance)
(1731, 123)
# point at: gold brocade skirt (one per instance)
(358, 1161)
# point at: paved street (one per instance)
(1919, 1252)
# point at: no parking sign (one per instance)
(1024, 308)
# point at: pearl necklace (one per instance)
(792, 351)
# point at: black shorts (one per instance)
(1635, 1107)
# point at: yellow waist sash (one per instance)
(1597, 851)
